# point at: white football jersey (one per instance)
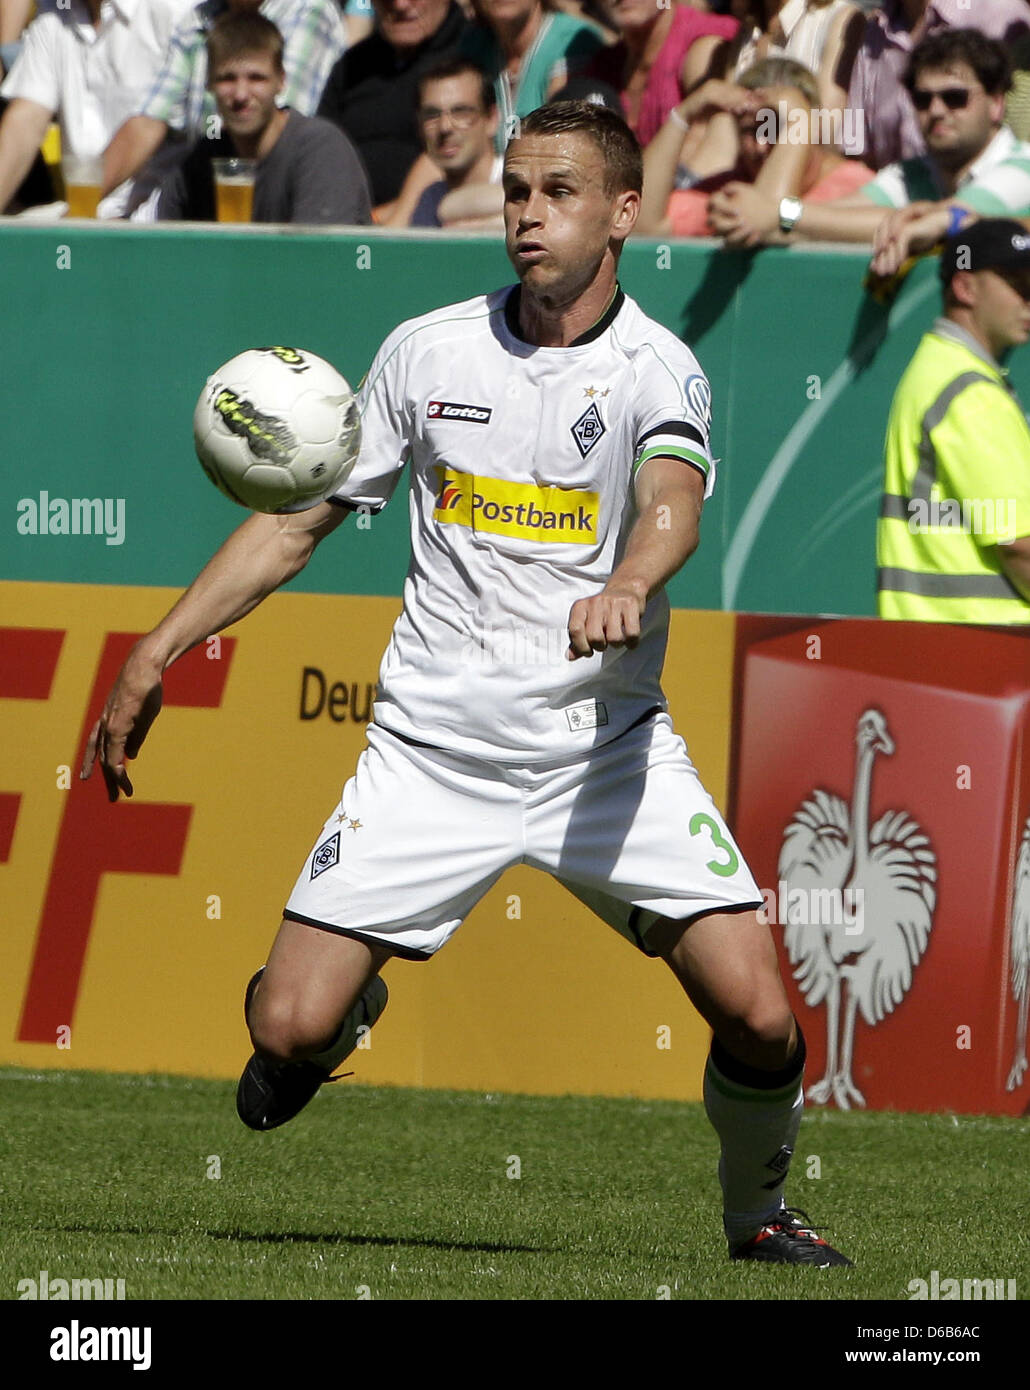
(521, 501)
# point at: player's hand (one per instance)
(132, 706)
(608, 619)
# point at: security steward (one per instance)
(953, 539)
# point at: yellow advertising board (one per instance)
(131, 930)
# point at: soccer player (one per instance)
(559, 455)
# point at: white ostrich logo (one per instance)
(1019, 955)
(891, 869)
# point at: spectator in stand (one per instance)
(890, 130)
(86, 70)
(528, 50)
(458, 120)
(358, 20)
(822, 35)
(14, 19)
(771, 98)
(36, 187)
(307, 170)
(662, 53)
(958, 80)
(1017, 104)
(179, 106)
(596, 12)
(372, 91)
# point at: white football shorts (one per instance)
(421, 834)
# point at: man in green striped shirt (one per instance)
(953, 539)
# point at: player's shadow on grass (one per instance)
(487, 1247)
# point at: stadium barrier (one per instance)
(131, 930)
(111, 331)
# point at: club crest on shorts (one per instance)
(588, 429)
(590, 714)
(326, 855)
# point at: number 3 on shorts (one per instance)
(723, 868)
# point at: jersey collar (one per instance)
(511, 317)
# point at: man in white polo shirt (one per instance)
(86, 65)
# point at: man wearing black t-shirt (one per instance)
(307, 170)
(371, 93)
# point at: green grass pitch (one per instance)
(413, 1194)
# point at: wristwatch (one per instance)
(790, 213)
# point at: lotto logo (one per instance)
(451, 410)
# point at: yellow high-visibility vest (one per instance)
(956, 487)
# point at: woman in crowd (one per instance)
(529, 50)
(823, 35)
(772, 98)
(663, 51)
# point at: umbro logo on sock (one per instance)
(778, 1164)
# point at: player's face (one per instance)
(1001, 307)
(559, 221)
(456, 127)
(245, 90)
(407, 23)
(956, 134)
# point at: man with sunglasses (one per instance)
(974, 163)
(890, 131)
(953, 539)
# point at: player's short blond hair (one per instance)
(619, 147)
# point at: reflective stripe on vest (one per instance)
(946, 585)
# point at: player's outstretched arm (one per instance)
(669, 497)
(260, 556)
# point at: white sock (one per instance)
(757, 1127)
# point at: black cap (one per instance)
(995, 243)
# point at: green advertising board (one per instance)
(110, 332)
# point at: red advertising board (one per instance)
(881, 792)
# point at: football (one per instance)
(277, 429)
